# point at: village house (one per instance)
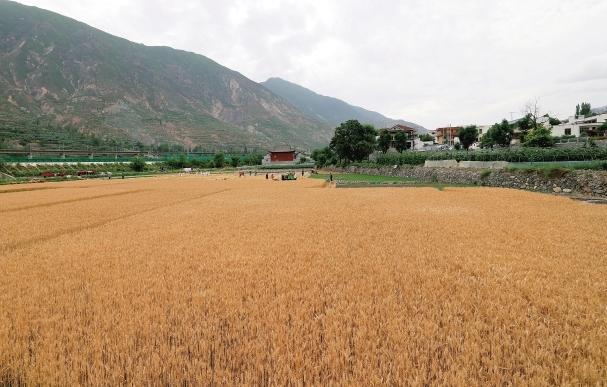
(447, 135)
(409, 132)
(580, 126)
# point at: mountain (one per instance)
(64, 83)
(328, 109)
(600, 110)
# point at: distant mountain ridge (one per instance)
(330, 110)
(64, 83)
(600, 110)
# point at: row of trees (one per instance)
(583, 109)
(354, 141)
(219, 160)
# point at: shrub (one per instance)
(218, 160)
(504, 154)
(252, 159)
(235, 161)
(539, 137)
(485, 173)
(138, 164)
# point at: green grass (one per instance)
(362, 178)
(356, 179)
(596, 164)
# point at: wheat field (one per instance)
(242, 281)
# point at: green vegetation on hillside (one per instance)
(86, 88)
(357, 177)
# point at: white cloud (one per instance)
(434, 62)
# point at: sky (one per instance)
(433, 62)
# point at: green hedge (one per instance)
(516, 155)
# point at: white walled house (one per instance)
(579, 126)
(482, 130)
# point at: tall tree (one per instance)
(499, 134)
(384, 141)
(218, 160)
(585, 109)
(467, 136)
(401, 141)
(323, 157)
(531, 110)
(353, 141)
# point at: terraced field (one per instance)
(226, 280)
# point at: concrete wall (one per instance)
(466, 164)
(483, 164)
(441, 164)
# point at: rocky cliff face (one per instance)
(61, 74)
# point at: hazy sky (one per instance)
(428, 61)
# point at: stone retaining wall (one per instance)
(576, 182)
(466, 164)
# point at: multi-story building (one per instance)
(447, 136)
(580, 126)
(409, 132)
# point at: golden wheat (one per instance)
(213, 280)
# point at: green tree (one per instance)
(602, 129)
(219, 160)
(353, 141)
(253, 159)
(235, 161)
(467, 136)
(384, 141)
(554, 121)
(323, 157)
(585, 109)
(525, 124)
(182, 161)
(138, 164)
(401, 141)
(426, 137)
(499, 134)
(539, 137)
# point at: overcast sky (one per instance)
(432, 62)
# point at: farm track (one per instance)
(213, 280)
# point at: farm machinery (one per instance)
(288, 176)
